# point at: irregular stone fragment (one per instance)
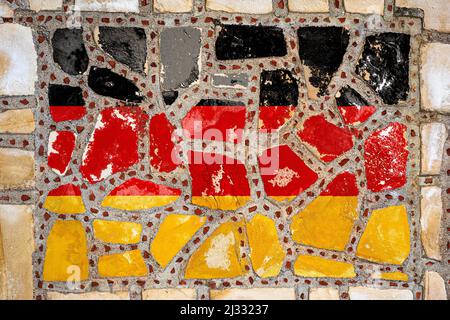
(66, 103)
(327, 222)
(218, 120)
(384, 65)
(20, 121)
(321, 50)
(167, 6)
(366, 293)
(135, 195)
(237, 42)
(123, 295)
(18, 66)
(107, 83)
(173, 234)
(65, 199)
(40, 5)
(326, 140)
(391, 276)
(220, 184)
(69, 51)
(128, 264)
(61, 145)
(323, 294)
(434, 286)
(266, 253)
(163, 151)
(113, 146)
(16, 249)
(365, 6)
(435, 76)
(430, 221)
(170, 97)
(273, 118)
(117, 231)
(353, 108)
(108, 5)
(254, 294)
(16, 169)
(239, 6)
(433, 137)
(219, 255)
(6, 11)
(66, 255)
(169, 294)
(387, 236)
(284, 174)
(436, 16)
(236, 81)
(317, 267)
(125, 44)
(308, 5)
(386, 156)
(180, 54)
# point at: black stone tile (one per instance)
(278, 88)
(322, 50)
(214, 102)
(349, 97)
(247, 42)
(60, 95)
(69, 51)
(170, 97)
(384, 65)
(126, 45)
(107, 83)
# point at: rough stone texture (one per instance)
(169, 294)
(88, 296)
(253, 294)
(16, 169)
(365, 6)
(433, 137)
(240, 6)
(365, 293)
(16, 235)
(108, 5)
(18, 66)
(40, 5)
(166, 6)
(69, 51)
(430, 221)
(308, 5)
(434, 286)
(17, 121)
(437, 15)
(435, 77)
(5, 10)
(238, 81)
(323, 294)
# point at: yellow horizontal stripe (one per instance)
(65, 204)
(283, 198)
(221, 202)
(117, 232)
(317, 267)
(135, 203)
(394, 276)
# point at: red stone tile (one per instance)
(163, 153)
(354, 115)
(272, 118)
(344, 185)
(61, 145)
(65, 113)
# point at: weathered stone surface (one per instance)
(5, 10)
(108, 5)
(437, 15)
(353, 107)
(16, 169)
(169, 294)
(61, 145)
(16, 248)
(88, 296)
(365, 6)
(430, 221)
(365, 293)
(17, 121)
(180, 53)
(240, 6)
(237, 80)
(40, 5)
(318, 267)
(434, 286)
(121, 232)
(18, 66)
(167, 6)
(278, 88)
(433, 137)
(254, 294)
(69, 51)
(163, 156)
(435, 76)
(127, 264)
(308, 5)
(323, 294)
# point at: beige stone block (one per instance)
(323, 294)
(430, 221)
(6, 11)
(16, 223)
(437, 13)
(88, 296)
(365, 293)
(169, 294)
(433, 137)
(434, 286)
(16, 169)
(241, 6)
(254, 294)
(173, 5)
(435, 77)
(108, 5)
(17, 121)
(308, 5)
(365, 6)
(40, 5)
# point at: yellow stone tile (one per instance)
(219, 256)
(175, 231)
(128, 264)
(66, 256)
(394, 276)
(317, 267)
(266, 252)
(136, 203)
(326, 222)
(65, 204)
(221, 202)
(386, 238)
(117, 231)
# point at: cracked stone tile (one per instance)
(66, 103)
(353, 107)
(61, 145)
(20, 121)
(241, 6)
(317, 267)
(308, 5)
(18, 66)
(117, 231)
(366, 293)
(430, 221)
(16, 169)
(169, 294)
(365, 6)
(168, 6)
(65, 199)
(254, 294)
(108, 5)
(69, 51)
(433, 137)
(126, 264)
